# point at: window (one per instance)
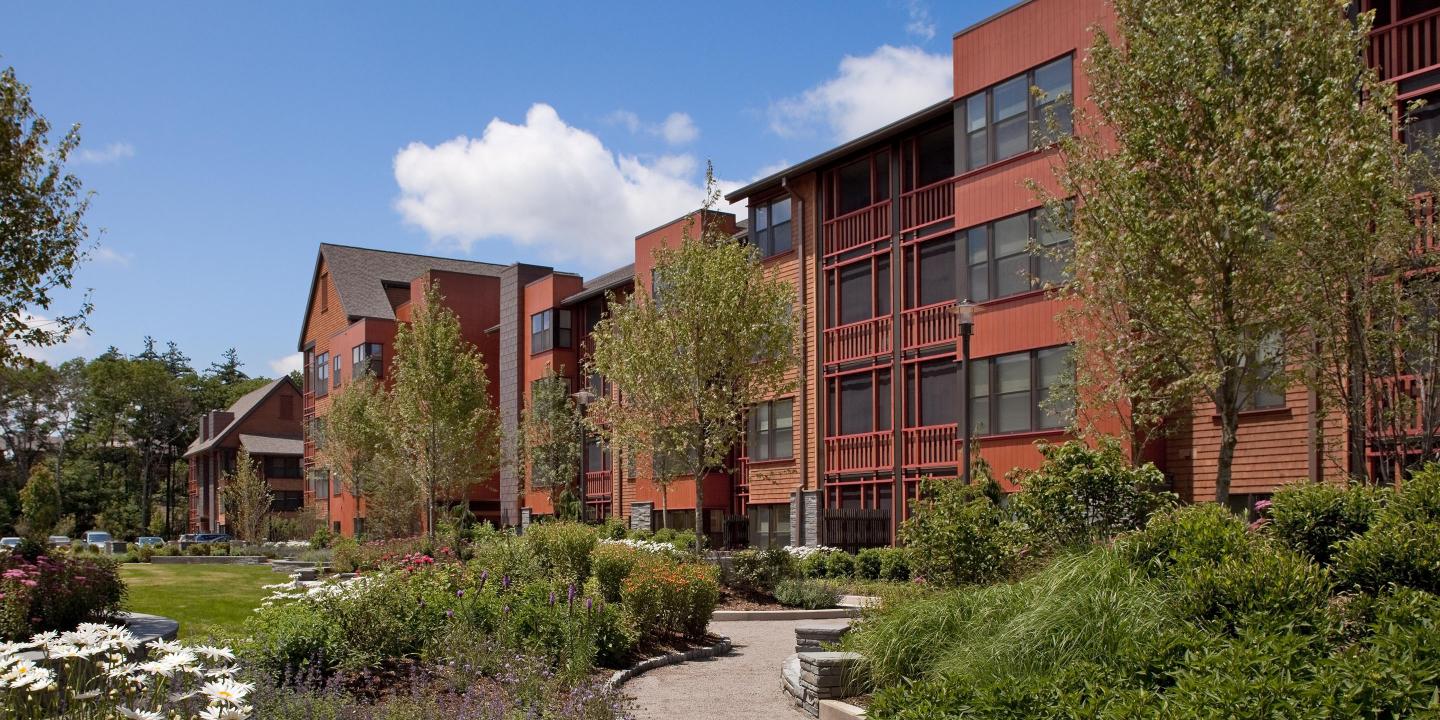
(594, 455)
(932, 393)
(366, 357)
(1424, 125)
(860, 403)
(322, 374)
(859, 185)
(337, 370)
(928, 159)
(770, 227)
(1011, 393)
(934, 279)
(282, 467)
(307, 380)
(287, 500)
(860, 291)
(550, 329)
(1005, 120)
(1002, 261)
(769, 525)
(320, 483)
(1261, 387)
(768, 433)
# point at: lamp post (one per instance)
(583, 398)
(965, 316)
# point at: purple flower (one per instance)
(484, 575)
(449, 613)
(589, 604)
(1263, 505)
(570, 594)
(460, 593)
(552, 597)
(505, 582)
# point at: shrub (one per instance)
(641, 534)
(1186, 538)
(839, 565)
(321, 539)
(1267, 584)
(813, 565)
(894, 564)
(505, 555)
(663, 596)
(685, 541)
(613, 529)
(664, 535)
(1419, 498)
(563, 549)
(1082, 494)
(958, 536)
(758, 571)
(1312, 518)
(611, 564)
(1404, 553)
(45, 592)
(806, 594)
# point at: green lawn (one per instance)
(208, 600)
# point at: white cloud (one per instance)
(677, 128)
(113, 152)
(284, 365)
(73, 347)
(920, 25)
(111, 256)
(869, 92)
(543, 184)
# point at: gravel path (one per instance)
(743, 685)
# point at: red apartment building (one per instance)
(266, 423)
(879, 236)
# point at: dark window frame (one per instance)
(322, 374)
(988, 367)
(881, 408)
(1038, 266)
(764, 234)
(878, 169)
(338, 364)
(879, 295)
(367, 357)
(765, 445)
(552, 329)
(983, 102)
(1258, 392)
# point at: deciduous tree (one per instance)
(355, 433)
(40, 500)
(550, 441)
(246, 498)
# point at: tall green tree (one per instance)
(1228, 185)
(355, 434)
(40, 500)
(717, 337)
(29, 396)
(550, 442)
(42, 225)
(444, 433)
(246, 498)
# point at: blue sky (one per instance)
(224, 141)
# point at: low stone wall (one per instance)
(811, 677)
(620, 677)
(208, 559)
(813, 639)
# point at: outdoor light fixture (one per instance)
(965, 316)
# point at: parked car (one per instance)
(187, 538)
(57, 541)
(212, 538)
(149, 541)
(10, 542)
(98, 539)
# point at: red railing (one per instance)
(1401, 408)
(859, 453)
(1427, 239)
(857, 228)
(932, 203)
(597, 486)
(929, 446)
(1405, 47)
(929, 325)
(858, 340)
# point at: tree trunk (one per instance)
(1355, 398)
(1229, 422)
(664, 505)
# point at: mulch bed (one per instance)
(732, 599)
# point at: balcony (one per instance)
(858, 340)
(930, 446)
(1405, 47)
(929, 325)
(1427, 240)
(597, 486)
(1400, 411)
(857, 228)
(863, 452)
(926, 205)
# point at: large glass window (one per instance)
(928, 159)
(1006, 119)
(366, 358)
(769, 431)
(934, 272)
(770, 227)
(1003, 262)
(933, 395)
(550, 329)
(863, 290)
(1012, 393)
(860, 403)
(769, 525)
(860, 184)
(322, 374)
(1262, 387)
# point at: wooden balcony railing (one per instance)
(929, 204)
(1403, 408)
(929, 325)
(597, 485)
(930, 446)
(865, 452)
(857, 228)
(1427, 237)
(1405, 47)
(858, 340)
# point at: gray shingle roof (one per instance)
(600, 283)
(238, 411)
(359, 275)
(272, 445)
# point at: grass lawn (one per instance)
(208, 600)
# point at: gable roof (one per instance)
(272, 444)
(239, 410)
(600, 283)
(359, 276)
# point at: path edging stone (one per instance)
(620, 677)
(742, 615)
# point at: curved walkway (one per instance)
(743, 685)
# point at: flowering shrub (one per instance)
(350, 556)
(665, 597)
(93, 672)
(612, 562)
(55, 592)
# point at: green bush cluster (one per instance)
(41, 591)
(806, 594)
(759, 571)
(665, 597)
(1081, 495)
(563, 548)
(959, 536)
(1329, 611)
